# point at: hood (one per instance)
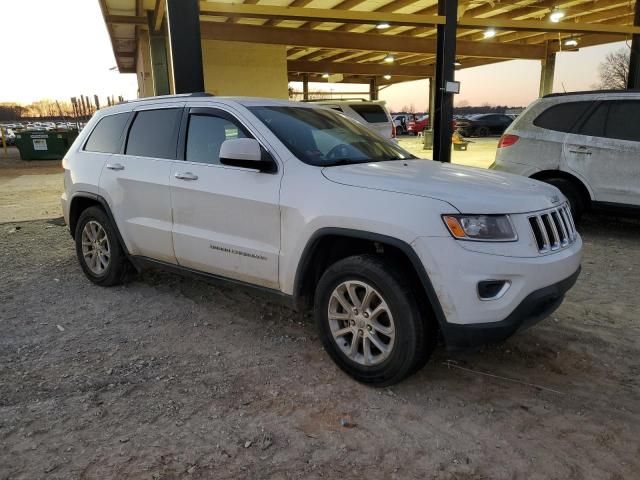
(469, 189)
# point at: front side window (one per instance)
(205, 136)
(154, 133)
(107, 136)
(563, 117)
(325, 138)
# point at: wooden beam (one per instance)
(158, 14)
(125, 19)
(359, 68)
(360, 41)
(317, 14)
(546, 26)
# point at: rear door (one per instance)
(226, 220)
(605, 152)
(136, 181)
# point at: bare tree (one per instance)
(614, 70)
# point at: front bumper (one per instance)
(537, 285)
(535, 307)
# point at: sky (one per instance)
(64, 51)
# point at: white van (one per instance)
(373, 114)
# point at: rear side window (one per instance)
(594, 125)
(154, 133)
(563, 117)
(624, 121)
(107, 136)
(371, 113)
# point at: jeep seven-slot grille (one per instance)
(553, 229)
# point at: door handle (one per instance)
(115, 166)
(186, 176)
(581, 151)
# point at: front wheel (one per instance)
(369, 321)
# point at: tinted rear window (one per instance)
(563, 117)
(371, 113)
(624, 121)
(107, 136)
(154, 133)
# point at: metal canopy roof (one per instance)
(341, 36)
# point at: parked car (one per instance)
(9, 136)
(373, 114)
(587, 144)
(388, 250)
(483, 125)
(402, 121)
(418, 125)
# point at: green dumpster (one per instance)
(44, 145)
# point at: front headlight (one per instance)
(483, 228)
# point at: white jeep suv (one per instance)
(585, 143)
(389, 250)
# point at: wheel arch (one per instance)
(582, 187)
(83, 200)
(328, 245)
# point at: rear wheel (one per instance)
(369, 321)
(482, 132)
(576, 199)
(98, 250)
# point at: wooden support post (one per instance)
(373, 88)
(547, 73)
(183, 20)
(305, 86)
(442, 118)
(634, 57)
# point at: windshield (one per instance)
(325, 138)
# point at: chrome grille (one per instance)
(553, 229)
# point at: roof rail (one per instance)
(590, 92)
(168, 97)
(353, 99)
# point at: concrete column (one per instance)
(183, 22)
(547, 73)
(159, 60)
(634, 58)
(305, 86)
(432, 101)
(373, 89)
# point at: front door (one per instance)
(226, 220)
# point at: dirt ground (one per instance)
(167, 377)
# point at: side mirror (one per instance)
(245, 153)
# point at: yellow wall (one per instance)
(143, 67)
(235, 68)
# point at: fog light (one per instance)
(493, 289)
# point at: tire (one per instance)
(399, 131)
(482, 132)
(577, 202)
(97, 236)
(406, 338)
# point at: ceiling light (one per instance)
(389, 58)
(571, 42)
(383, 26)
(489, 33)
(556, 15)
(325, 75)
(457, 63)
(387, 77)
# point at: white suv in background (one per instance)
(372, 114)
(387, 249)
(586, 143)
